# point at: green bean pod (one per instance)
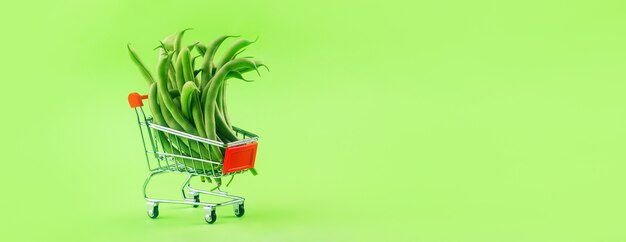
(238, 53)
(142, 67)
(180, 76)
(186, 63)
(220, 97)
(186, 144)
(178, 40)
(257, 63)
(196, 113)
(233, 50)
(223, 129)
(195, 72)
(237, 75)
(172, 79)
(167, 116)
(155, 109)
(212, 90)
(223, 108)
(176, 101)
(168, 42)
(192, 46)
(163, 67)
(209, 55)
(201, 49)
(189, 90)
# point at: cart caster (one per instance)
(210, 215)
(153, 210)
(239, 210)
(196, 198)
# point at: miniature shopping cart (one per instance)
(168, 150)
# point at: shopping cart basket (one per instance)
(168, 150)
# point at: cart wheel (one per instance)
(210, 217)
(239, 210)
(196, 198)
(153, 212)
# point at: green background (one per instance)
(398, 120)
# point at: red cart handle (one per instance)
(134, 99)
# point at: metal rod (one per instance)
(185, 185)
(143, 141)
(180, 156)
(241, 142)
(186, 135)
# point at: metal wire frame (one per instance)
(173, 151)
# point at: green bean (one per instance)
(195, 72)
(176, 101)
(212, 90)
(221, 97)
(174, 93)
(237, 75)
(238, 53)
(171, 122)
(231, 180)
(180, 76)
(193, 64)
(168, 42)
(215, 153)
(167, 116)
(196, 113)
(207, 65)
(233, 74)
(171, 72)
(257, 63)
(234, 48)
(163, 67)
(155, 109)
(171, 84)
(201, 49)
(188, 91)
(142, 67)
(187, 68)
(192, 46)
(223, 129)
(178, 40)
(223, 109)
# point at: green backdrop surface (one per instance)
(390, 120)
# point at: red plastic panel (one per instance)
(239, 158)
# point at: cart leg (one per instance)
(182, 189)
(194, 195)
(145, 183)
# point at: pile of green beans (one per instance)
(195, 98)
